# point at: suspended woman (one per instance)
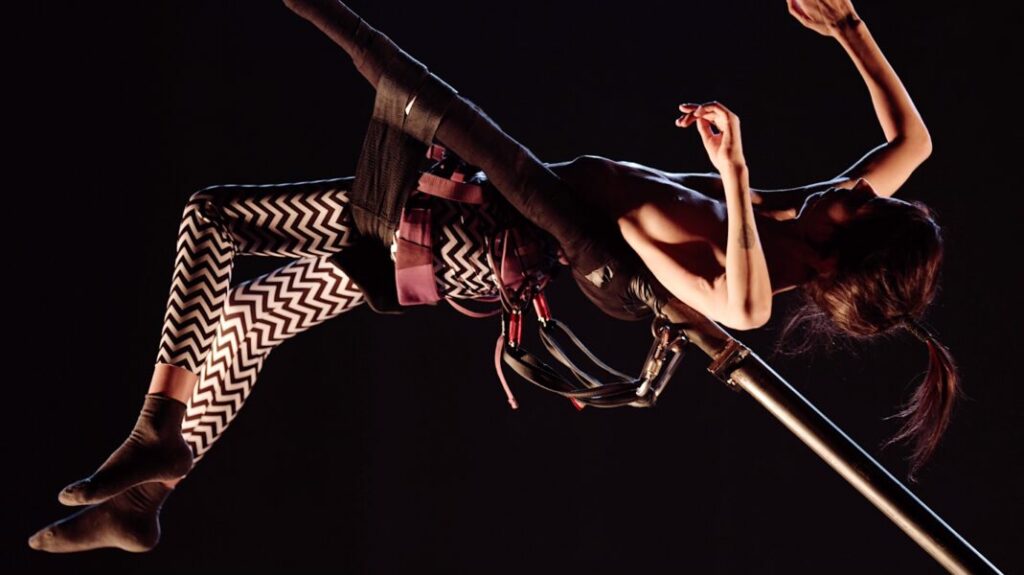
(634, 238)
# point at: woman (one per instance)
(868, 261)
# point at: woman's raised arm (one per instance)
(742, 296)
(888, 165)
(908, 143)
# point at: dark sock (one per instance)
(130, 521)
(155, 450)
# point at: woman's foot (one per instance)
(128, 521)
(155, 450)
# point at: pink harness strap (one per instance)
(451, 189)
(414, 254)
(414, 258)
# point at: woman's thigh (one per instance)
(293, 219)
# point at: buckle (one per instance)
(662, 359)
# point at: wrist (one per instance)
(848, 27)
(735, 177)
(735, 169)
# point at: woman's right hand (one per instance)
(725, 149)
(826, 17)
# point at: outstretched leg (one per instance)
(258, 316)
(299, 220)
(532, 188)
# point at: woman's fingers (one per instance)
(704, 127)
(715, 116)
(720, 116)
(686, 120)
(795, 11)
(723, 145)
(688, 117)
(714, 112)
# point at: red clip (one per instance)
(576, 403)
(515, 328)
(540, 305)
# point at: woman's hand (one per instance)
(826, 17)
(724, 148)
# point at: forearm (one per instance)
(748, 288)
(895, 110)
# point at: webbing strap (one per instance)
(619, 390)
(450, 189)
(558, 353)
(534, 370)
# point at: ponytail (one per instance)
(929, 410)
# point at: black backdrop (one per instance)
(384, 444)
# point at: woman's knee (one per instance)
(205, 203)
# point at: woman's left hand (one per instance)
(725, 149)
(826, 17)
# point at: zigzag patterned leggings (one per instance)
(224, 333)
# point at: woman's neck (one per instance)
(792, 259)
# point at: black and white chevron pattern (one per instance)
(300, 220)
(257, 316)
(306, 220)
(460, 260)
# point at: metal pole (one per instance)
(737, 366)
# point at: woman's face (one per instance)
(836, 206)
(825, 212)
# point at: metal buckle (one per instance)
(662, 359)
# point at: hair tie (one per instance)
(920, 331)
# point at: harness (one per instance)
(518, 259)
(395, 144)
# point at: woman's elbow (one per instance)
(923, 145)
(920, 142)
(926, 148)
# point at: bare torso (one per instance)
(688, 225)
(665, 220)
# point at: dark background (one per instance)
(384, 444)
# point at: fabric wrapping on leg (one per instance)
(531, 188)
(391, 159)
(388, 166)
(412, 107)
(408, 108)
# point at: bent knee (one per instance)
(206, 202)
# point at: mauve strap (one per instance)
(414, 258)
(451, 189)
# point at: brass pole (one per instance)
(737, 366)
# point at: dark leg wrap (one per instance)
(413, 107)
(436, 109)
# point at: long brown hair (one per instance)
(885, 278)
